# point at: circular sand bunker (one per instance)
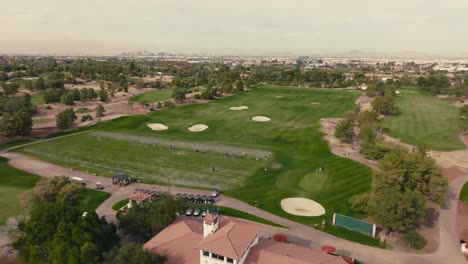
(157, 127)
(198, 128)
(261, 118)
(279, 96)
(238, 108)
(302, 207)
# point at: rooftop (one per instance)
(182, 241)
(231, 239)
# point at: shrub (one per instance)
(48, 107)
(414, 240)
(87, 117)
(169, 104)
(197, 96)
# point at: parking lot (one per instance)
(199, 204)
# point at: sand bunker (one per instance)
(238, 108)
(279, 96)
(315, 103)
(157, 127)
(261, 118)
(198, 128)
(302, 207)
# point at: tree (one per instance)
(68, 98)
(345, 131)
(10, 89)
(132, 254)
(178, 94)
(415, 172)
(53, 96)
(65, 118)
(103, 96)
(59, 233)
(240, 86)
(368, 118)
(384, 105)
(18, 123)
(51, 190)
(100, 111)
(40, 84)
(464, 119)
(147, 219)
(398, 211)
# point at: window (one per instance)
(230, 260)
(214, 256)
(206, 253)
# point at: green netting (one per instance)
(354, 224)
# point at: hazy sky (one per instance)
(233, 27)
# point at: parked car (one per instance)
(99, 186)
(189, 212)
(215, 193)
(196, 212)
(205, 212)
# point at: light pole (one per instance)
(169, 183)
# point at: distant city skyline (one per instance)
(297, 27)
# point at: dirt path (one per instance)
(350, 151)
(448, 252)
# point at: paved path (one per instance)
(448, 251)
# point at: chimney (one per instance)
(210, 224)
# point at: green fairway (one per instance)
(91, 199)
(292, 136)
(154, 96)
(13, 182)
(464, 193)
(424, 118)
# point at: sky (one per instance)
(299, 27)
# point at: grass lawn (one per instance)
(154, 96)
(91, 199)
(239, 214)
(119, 204)
(464, 193)
(15, 143)
(37, 99)
(292, 136)
(424, 118)
(13, 183)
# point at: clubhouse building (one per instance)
(228, 240)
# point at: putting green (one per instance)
(314, 182)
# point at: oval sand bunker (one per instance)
(238, 108)
(157, 127)
(261, 118)
(198, 128)
(302, 207)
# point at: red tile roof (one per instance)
(231, 239)
(272, 252)
(140, 197)
(178, 242)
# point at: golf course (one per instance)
(425, 119)
(267, 152)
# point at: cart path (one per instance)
(448, 251)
